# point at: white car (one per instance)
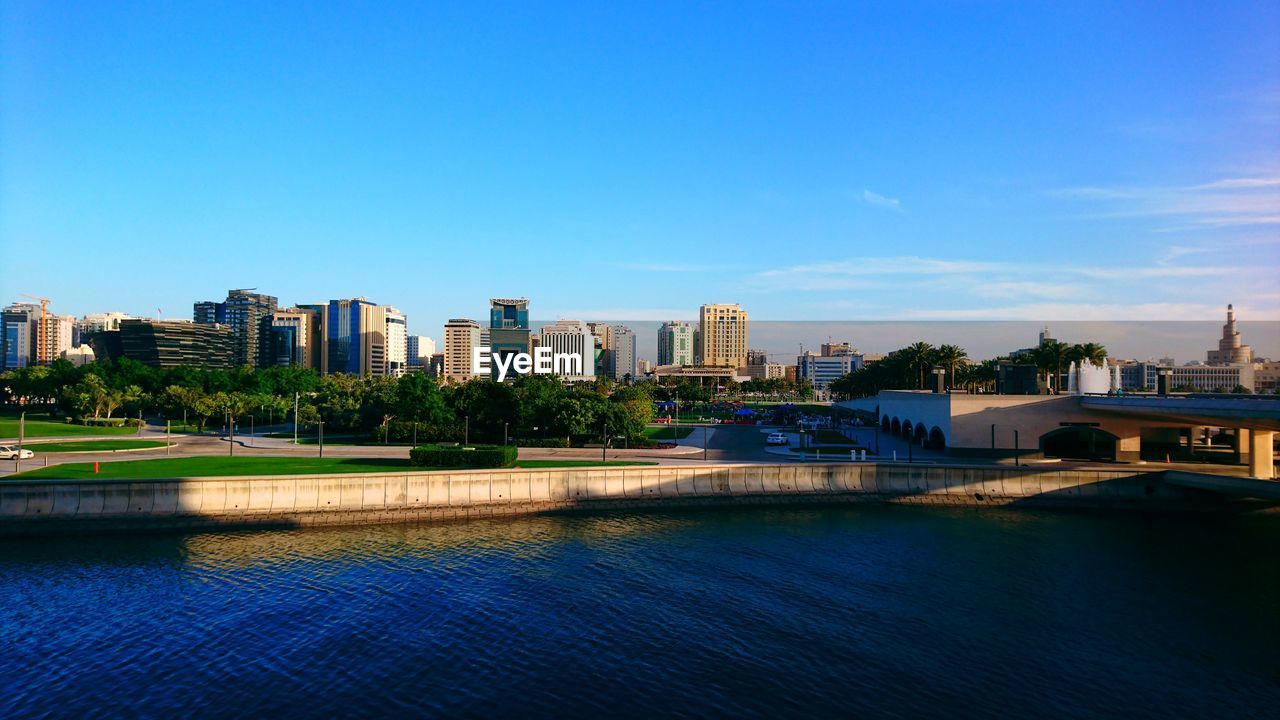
(10, 452)
(777, 439)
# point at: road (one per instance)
(725, 444)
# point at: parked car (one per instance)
(10, 452)
(777, 439)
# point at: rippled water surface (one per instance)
(859, 612)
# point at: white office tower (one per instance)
(574, 339)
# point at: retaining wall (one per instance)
(290, 500)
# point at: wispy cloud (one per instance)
(996, 290)
(875, 198)
(1173, 252)
(1227, 202)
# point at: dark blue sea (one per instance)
(866, 612)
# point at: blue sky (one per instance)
(846, 161)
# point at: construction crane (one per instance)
(42, 347)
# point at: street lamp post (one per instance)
(250, 431)
(320, 435)
(168, 435)
(604, 439)
(466, 430)
(504, 433)
(22, 432)
(231, 435)
(296, 397)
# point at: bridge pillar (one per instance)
(1240, 445)
(1261, 460)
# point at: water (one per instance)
(850, 611)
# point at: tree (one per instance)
(1089, 352)
(1050, 357)
(632, 409)
(918, 356)
(576, 413)
(949, 356)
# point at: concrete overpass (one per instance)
(1255, 418)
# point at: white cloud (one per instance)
(874, 198)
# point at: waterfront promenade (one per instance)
(56, 506)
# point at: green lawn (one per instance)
(162, 468)
(44, 427)
(668, 433)
(93, 445)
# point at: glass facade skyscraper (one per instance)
(248, 314)
(508, 327)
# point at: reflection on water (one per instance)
(875, 611)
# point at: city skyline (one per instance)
(811, 163)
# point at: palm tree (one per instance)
(1090, 352)
(1049, 357)
(918, 356)
(950, 356)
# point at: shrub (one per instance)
(475, 456)
(556, 442)
(105, 422)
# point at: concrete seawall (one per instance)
(40, 507)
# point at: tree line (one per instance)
(910, 368)
(533, 407)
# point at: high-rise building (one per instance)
(603, 335)
(296, 337)
(357, 337)
(675, 343)
(623, 340)
(757, 357)
(18, 324)
(397, 333)
(723, 333)
(508, 328)
(1230, 349)
(461, 336)
(421, 348)
(53, 336)
(248, 314)
(571, 337)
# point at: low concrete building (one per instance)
(1067, 426)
